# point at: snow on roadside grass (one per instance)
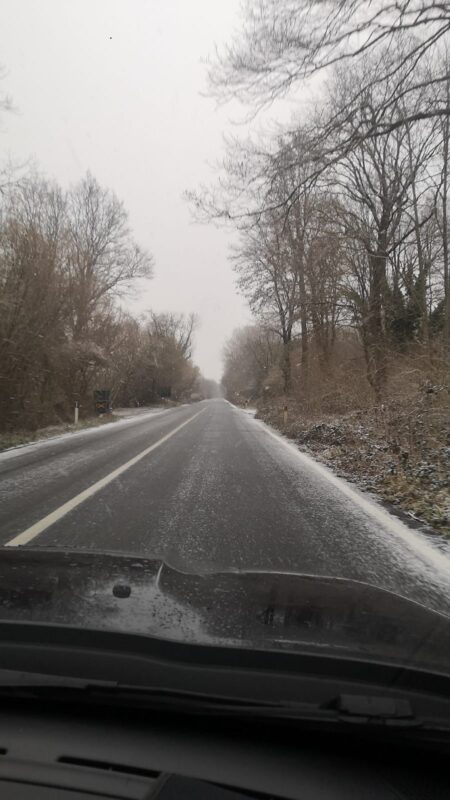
(415, 553)
(369, 505)
(59, 433)
(405, 463)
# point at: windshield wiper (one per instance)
(358, 709)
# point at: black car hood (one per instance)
(259, 610)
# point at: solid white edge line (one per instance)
(34, 530)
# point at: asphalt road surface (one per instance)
(207, 487)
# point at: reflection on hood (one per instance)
(255, 610)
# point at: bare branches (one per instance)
(180, 328)
(284, 43)
(393, 48)
(63, 259)
(338, 217)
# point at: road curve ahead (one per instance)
(207, 487)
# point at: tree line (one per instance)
(66, 259)
(342, 215)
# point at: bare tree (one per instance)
(440, 94)
(168, 347)
(251, 359)
(102, 259)
(269, 279)
(325, 276)
(380, 181)
(179, 327)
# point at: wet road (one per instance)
(207, 487)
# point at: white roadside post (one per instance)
(76, 413)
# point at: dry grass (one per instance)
(399, 449)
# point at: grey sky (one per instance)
(114, 86)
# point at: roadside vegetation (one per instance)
(341, 240)
(67, 258)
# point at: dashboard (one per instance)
(71, 753)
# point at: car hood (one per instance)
(251, 609)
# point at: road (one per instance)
(207, 487)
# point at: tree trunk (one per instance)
(421, 283)
(376, 339)
(286, 365)
(446, 132)
(303, 322)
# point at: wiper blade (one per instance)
(37, 685)
(116, 693)
(357, 709)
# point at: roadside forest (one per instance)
(67, 257)
(341, 235)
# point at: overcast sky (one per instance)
(113, 86)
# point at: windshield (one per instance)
(225, 323)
